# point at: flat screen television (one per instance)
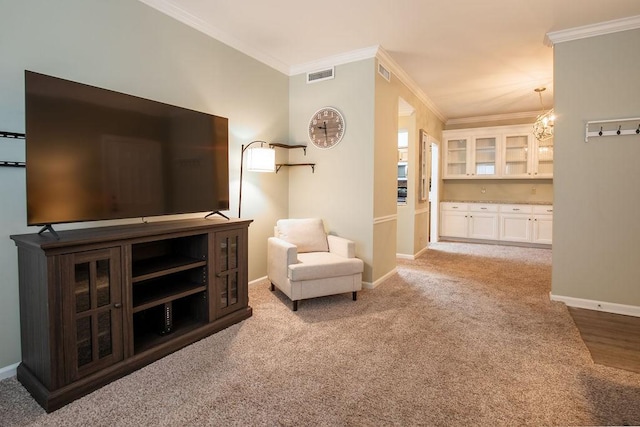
(95, 154)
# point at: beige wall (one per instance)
(339, 191)
(406, 212)
(127, 46)
(596, 227)
(508, 190)
(386, 211)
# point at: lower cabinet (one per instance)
(98, 304)
(526, 223)
(469, 220)
(492, 221)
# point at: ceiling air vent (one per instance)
(318, 76)
(384, 72)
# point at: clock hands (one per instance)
(326, 137)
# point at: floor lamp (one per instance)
(259, 159)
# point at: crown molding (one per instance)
(330, 61)
(495, 117)
(170, 9)
(366, 53)
(396, 70)
(602, 28)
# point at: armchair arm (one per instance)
(341, 246)
(280, 254)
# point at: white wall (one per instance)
(597, 200)
(129, 47)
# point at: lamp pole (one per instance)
(244, 148)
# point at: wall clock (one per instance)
(326, 127)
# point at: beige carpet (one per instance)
(465, 335)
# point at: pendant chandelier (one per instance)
(543, 126)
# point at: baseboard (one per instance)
(607, 307)
(370, 285)
(8, 371)
(259, 280)
(414, 256)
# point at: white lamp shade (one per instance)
(261, 159)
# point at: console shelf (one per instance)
(97, 304)
(159, 267)
(161, 293)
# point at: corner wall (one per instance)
(386, 211)
(596, 227)
(129, 47)
(340, 189)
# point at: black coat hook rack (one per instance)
(12, 135)
(614, 127)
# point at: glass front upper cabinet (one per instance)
(485, 157)
(544, 160)
(457, 158)
(516, 156)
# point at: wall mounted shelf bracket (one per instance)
(313, 166)
(289, 147)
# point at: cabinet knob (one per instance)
(117, 305)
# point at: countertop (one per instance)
(501, 202)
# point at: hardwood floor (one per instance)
(612, 339)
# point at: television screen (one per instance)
(95, 154)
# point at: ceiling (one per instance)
(469, 58)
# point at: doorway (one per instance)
(434, 191)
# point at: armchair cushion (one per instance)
(323, 265)
(306, 234)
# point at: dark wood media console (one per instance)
(99, 303)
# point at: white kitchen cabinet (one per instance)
(457, 158)
(484, 159)
(543, 160)
(525, 157)
(542, 231)
(526, 223)
(515, 223)
(500, 222)
(483, 221)
(471, 155)
(510, 152)
(473, 220)
(454, 220)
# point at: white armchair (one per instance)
(304, 262)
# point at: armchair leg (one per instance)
(295, 305)
(355, 295)
(273, 287)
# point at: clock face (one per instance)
(326, 127)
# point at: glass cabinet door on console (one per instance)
(92, 311)
(229, 295)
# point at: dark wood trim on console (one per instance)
(67, 298)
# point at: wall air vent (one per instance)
(318, 76)
(384, 72)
